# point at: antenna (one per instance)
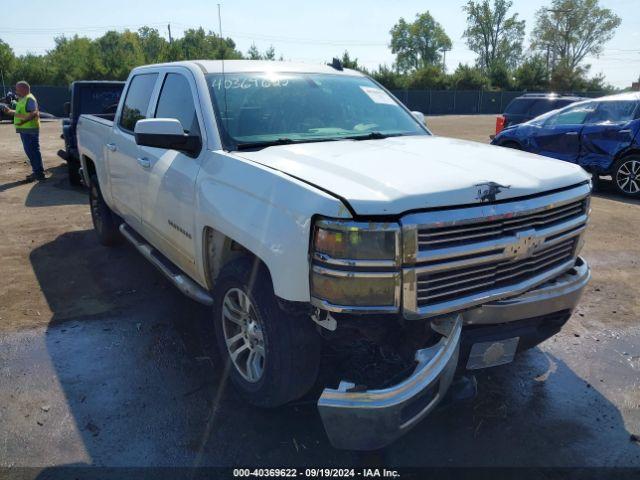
(224, 83)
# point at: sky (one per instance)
(307, 31)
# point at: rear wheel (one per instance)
(74, 172)
(626, 175)
(272, 355)
(105, 222)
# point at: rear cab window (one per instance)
(519, 106)
(136, 103)
(542, 106)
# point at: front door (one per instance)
(167, 178)
(559, 135)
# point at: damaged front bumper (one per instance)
(371, 419)
(368, 420)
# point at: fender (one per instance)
(267, 212)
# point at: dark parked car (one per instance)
(600, 135)
(531, 105)
(90, 97)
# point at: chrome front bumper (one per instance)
(371, 419)
(368, 420)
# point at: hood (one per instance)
(397, 174)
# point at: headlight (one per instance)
(357, 244)
(355, 266)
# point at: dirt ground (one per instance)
(102, 362)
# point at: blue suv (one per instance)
(600, 135)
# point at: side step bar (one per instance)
(187, 286)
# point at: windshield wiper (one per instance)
(373, 136)
(281, 141)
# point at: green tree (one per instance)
(418, 44)
(253, 53)
(469, 78)
(197, 44)
(36, 69)
(7, 60)
(531, 75)
(494, 35)
(72, 59)
(119, 53)
(430, 77)
(270, 53)
(388, 77)
(154, 47)
(571, 30)
(500, 77)
(352, 63)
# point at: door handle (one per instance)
(626, 130)
(572, 133)
(144, 162)
(112, 146)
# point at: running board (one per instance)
(187, 286)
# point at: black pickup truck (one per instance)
(90, 97)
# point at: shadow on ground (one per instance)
(144, 387)
(56, 190)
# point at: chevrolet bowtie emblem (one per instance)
(526, 243)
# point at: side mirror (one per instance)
(419, 116)
(67, 109)
(166, 133)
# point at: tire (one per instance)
(104, 220)
(626, 175)
(290, 345)
(74, 172)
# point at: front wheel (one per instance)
(626, 175)
(272, 355)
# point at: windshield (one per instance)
(261, 108)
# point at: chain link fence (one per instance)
(461, 102)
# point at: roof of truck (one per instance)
(238, 66)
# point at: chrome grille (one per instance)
(451, 284)
(439, 237)
(460, 258)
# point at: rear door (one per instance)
(167, 179)
(122, 150)
(559, 135)
(608, 130)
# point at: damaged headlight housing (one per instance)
(355, 266)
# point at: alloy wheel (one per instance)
(243, 335)
(628, 176)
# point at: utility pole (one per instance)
(444, 59)
(170, 37)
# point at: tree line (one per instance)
(564, 34)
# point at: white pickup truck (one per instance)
(305, 203)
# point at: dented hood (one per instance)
(393, 175)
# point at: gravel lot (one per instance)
(102, 362)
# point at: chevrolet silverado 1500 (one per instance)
(305, 203)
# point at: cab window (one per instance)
(176, 101)
(136, 103)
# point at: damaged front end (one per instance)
(358, 419)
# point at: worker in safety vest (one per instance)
(26, 118)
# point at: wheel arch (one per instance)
(218, 249)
